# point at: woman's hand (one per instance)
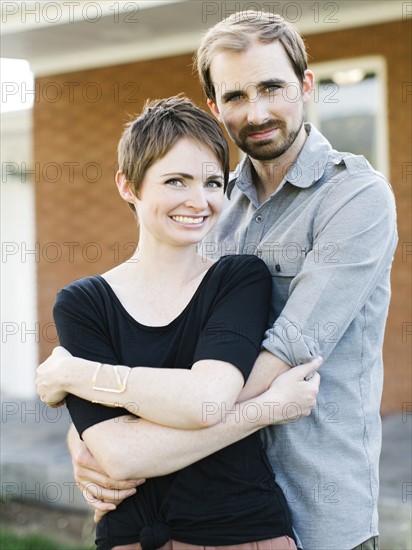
(50, 377)
(292, 394)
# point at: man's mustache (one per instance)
(255, 129)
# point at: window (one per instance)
(349, 107)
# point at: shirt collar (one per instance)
(308, 168)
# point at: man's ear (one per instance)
(214, 109)
(124, 188)
(308, 85)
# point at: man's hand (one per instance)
(99, 491)
(292, 394)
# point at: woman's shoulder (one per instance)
(83, 292)
(84, 285)
(241, 267)
(243, 261)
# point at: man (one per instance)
(324, 222)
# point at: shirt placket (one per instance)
(262, 222)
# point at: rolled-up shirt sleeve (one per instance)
(354, 238)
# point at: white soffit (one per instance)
(59, 37)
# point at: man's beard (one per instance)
(267, 149)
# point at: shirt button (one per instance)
(258, 219)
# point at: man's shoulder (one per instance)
(340, 169)
(355, 171)
(356, 164)
(320, 158)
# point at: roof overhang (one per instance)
(65, 36)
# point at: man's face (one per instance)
(259, 99)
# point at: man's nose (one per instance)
(257, 110)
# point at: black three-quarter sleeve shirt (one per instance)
(229, 497)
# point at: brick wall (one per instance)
(84, 228)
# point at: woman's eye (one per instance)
(215, 184)
(175, 182)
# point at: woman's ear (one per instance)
(124, 187)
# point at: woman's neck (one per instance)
(157, 283)
(167, 264)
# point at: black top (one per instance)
(229, 497)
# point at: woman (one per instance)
(171, 337)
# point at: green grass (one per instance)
(9, 541)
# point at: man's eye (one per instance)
(272, 88)
(235, 97)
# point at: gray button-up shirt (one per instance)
(328, 235)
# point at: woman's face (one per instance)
(181, 195)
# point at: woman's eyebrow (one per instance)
(214, 177)
(181, 174)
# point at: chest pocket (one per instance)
(285, 262)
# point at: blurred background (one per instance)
(73, 72)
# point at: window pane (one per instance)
(347, 114)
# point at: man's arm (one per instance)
(354, 238)
(99, 491)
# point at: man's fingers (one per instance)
(56, 405)
(98, 514)
(85, 476)
(101, 505)
(93, 492)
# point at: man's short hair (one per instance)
(240, 31)
(160, 125)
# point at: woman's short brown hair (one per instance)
(159, 126)
(238, 32)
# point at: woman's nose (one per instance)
(196, 198)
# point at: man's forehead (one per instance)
(259, 63)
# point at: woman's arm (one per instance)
(103, 493)
(266, 368)
(225, 352)
(172, 397)
(129, 447)
(186, 396)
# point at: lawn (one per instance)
(9, 541)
